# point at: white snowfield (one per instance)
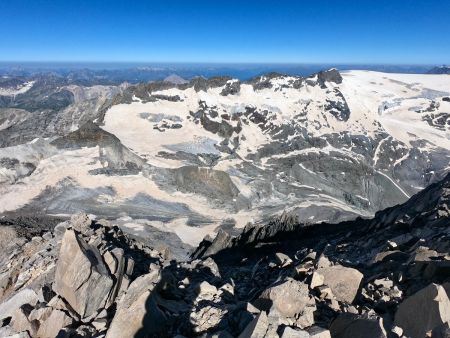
(366, 92)
(12, 91)
(378, 102)
(391, 99)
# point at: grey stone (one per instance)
(19, 335)
(207, 317)
(207, 291)
(25, 296)
(317, 279)
(291, 333)
(20, 321)
(344, 282)
(352, 326)
(424, 311)
(40, 314)
(54, 324)
(290, 298)
(80, 222)
(257, 328)
(282, 259)
(137, 313)
(318, 332)
(82, 278)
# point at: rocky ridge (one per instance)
(384, 277)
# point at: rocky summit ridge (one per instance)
(383, 277)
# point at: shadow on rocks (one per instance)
(192, 300)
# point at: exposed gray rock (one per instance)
(257, 328)
(81, 222)
(82, 278)
(331, 75)
(25, 296)
(344, 282)
(424, 311)
(318, 332)
(137, 313)
(18, 335)
(20, 321)
(352, 326)
(282, 259)
(291, 333)
(52, 326)
(290, 298)
(40, 314)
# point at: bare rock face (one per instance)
(290, 298)
(137, 313)
(257, 328)
(53, 324)
(291, 333)
(80, 222)
(352, 326)
(20, 321)
(424, 311)
(318, 332)
(331, 75)
(82, 277)
(26, 296)
(344, 282)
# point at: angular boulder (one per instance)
(80, 222)
(424, 311)
(20, 321)
(289, 298)
(344, 282)
(257, 328)
(52, 326)
(291, 333)
(25, 296)
(348, 325)
(82, 277)
(282, 259)
(137, 312)
(318, 332)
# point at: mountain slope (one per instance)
(363, 278)
(190, 159)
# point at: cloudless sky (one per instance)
(313, 31)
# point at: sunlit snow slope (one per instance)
(189, 159)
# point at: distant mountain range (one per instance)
(116, 73)
(440, 70)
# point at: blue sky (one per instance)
(314, 31)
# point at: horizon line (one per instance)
(219, 62)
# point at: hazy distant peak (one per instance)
(440, 70)
(175, 79)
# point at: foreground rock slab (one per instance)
(81, 276)
(353, 326)
(424, 311)
(137, 313)
(289, 298)
(344, 282)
